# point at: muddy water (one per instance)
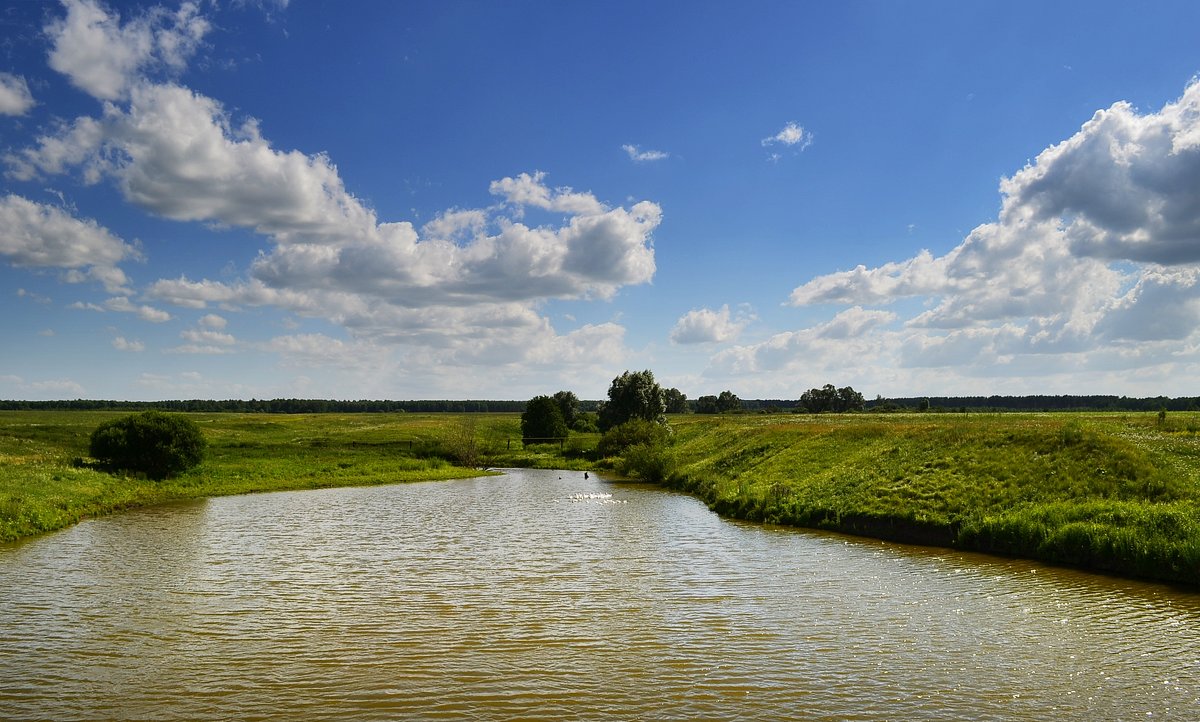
(507, 598)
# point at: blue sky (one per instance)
(497, 200)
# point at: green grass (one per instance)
(1114, 492)
(42, 486)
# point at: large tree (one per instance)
(542, 420)
(633, 395)
(829, 398)
(728, 401)
(568, 404)
(676, 401)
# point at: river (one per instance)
(514, 598)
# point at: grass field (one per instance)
(1112, 492)
(43, 485)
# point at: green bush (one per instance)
(542, 421)
(151, 443)
(649, 462)
(636, 431)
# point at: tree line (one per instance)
(274, 406)
(813, 401)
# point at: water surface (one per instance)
(505, 598)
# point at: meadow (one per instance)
(1111, 492)
(47, 482)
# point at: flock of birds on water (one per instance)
(595, 498)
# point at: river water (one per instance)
(507, 598)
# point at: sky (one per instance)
(464, 200)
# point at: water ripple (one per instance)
(544, 595)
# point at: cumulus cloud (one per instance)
(530, 190)
(178, 154)
(65, 146)
(122, 304)
(213, 321)
(207, 338)
(835, 345)
(121, 343)
(1092, 262)
(104, 57)
(1124, 186)
(465, 285)
(637, 155)
(211, 338)
(37, 235)
(15, 98)
(320, 350)
(705, 325)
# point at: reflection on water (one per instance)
(534, 596)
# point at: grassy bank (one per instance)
(43, 485)
(1117, 493)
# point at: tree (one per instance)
(151, 443)
(850, 400)
(728, 401)
(542, 420)
(831, 399)
(707, 405)
(633, 395)
(676, 401)
(568, 404)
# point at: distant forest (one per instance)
(319, 406)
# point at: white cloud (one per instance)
(105, 58)
(1092, 264)
(215, 338)
(529, 190)
(707, 326)
(56, 387)
(43, 389)
(851, 347)
(35, 297)
(122, 304)
(213, 321)
(120, 343)
(319, 350)
(38, 235)
(456, 224)
(793, 136)
(191, 294)
(1124, 186)
(15, 98)
(192, 385)
(67, 145)
(637, 155)
(464, 285)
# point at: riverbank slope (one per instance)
(1118, 493)
(46, 482)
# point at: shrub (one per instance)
(637, 431)
(650, 462)
(151, 443)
